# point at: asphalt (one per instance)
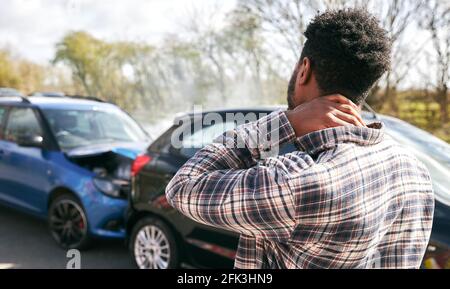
(25, 243)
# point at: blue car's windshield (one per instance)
(77, 128)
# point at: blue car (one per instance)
(68, 160)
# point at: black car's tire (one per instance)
(153, 245)
(68, 224)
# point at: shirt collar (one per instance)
(319, 141)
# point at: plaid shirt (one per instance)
(350, 197)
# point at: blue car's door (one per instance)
(24, 178)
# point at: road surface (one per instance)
(26, 243)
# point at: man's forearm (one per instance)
(220, 179)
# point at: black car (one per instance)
(159, 237)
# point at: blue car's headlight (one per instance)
(107, 187)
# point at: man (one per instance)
(350, 197)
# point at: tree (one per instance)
(81, 52)
(283, 23)
(21, 74)
(437, 15)
(97, 66)
(8, 75)
(172, 74)
(232, 54)
(397, 16)
(32, 76)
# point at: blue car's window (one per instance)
(22, 122)
(76, 128)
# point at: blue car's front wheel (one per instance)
(68, 223)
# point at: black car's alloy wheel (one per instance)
(68, 223)
(153, 245)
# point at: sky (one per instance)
(31, 28)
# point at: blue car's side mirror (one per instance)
(30, 141)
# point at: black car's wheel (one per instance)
(153, 245)
(67, 223)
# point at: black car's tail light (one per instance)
(139, 163)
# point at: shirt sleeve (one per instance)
(238, 183)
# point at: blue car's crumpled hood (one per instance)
(129, 150)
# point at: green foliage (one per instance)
(21, 74)
(97, 66)
(8, 75)
(418, 108)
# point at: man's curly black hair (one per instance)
(349, 52)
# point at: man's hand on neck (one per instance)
(324, 112)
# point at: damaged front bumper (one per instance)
(106, 216)
(106, 198)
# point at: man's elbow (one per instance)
(172, 190)
(179, 189)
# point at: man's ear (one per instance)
(304, 71)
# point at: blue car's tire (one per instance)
(68, 223)
(153, 245)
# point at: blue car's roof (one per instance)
(66, 103)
